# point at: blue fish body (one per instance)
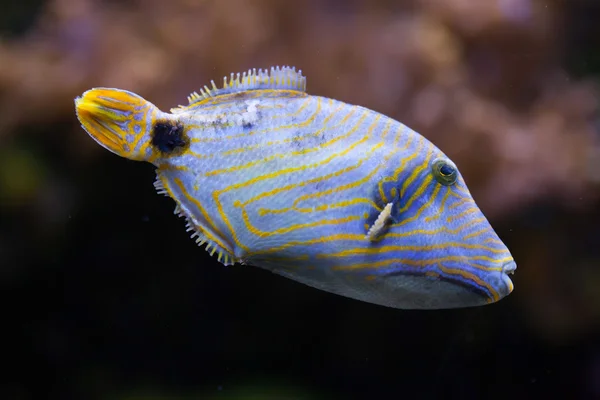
(335, 196)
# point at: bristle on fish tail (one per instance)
(118, 120)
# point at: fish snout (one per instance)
(507, 269)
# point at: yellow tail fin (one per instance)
(118, 120)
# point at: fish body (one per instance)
(333, 195)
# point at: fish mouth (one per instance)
(508, 269)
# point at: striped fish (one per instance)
(335, 196)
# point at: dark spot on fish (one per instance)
(168, 137)
(247, 125)
(299, 140)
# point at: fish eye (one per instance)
(444, 172)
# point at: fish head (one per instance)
(448, 254)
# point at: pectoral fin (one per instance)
(380, 223)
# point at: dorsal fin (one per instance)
(275, 78)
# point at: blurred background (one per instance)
(105, 296)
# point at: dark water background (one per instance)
(106, 297)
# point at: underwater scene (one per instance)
(320, 199)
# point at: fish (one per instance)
(332, 195)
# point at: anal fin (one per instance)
(199, 233)
(212, 248)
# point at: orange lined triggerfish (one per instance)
(333, 195)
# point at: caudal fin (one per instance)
(118, 120)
